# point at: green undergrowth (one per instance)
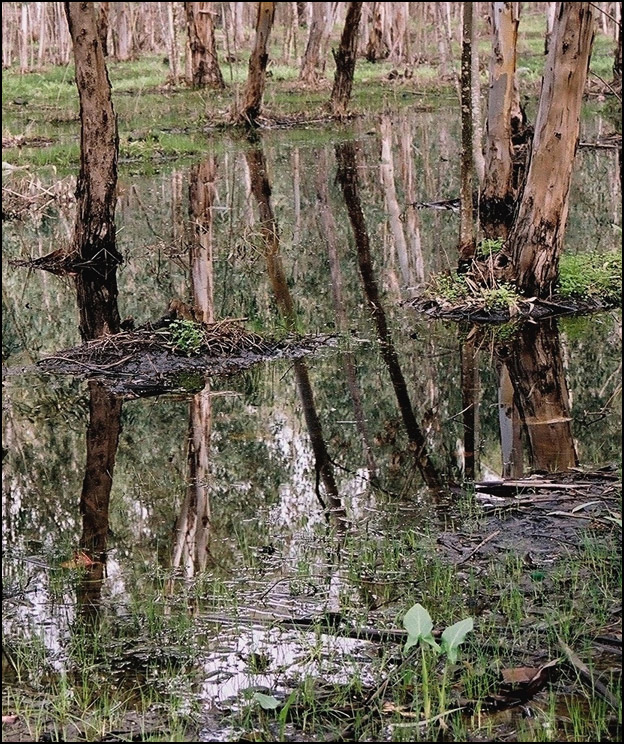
(584, 278)
(158, 120)
(592, 275)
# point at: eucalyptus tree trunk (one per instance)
(345, 61)
(256, 77)
(393, 209)
(470, 405)
(202, 195)
(94, 241)
(498, 195)
(172, 44)
(312, 66)
(466, 218)
(329, 232)
(102, 441)
(123, 41)
(475, 104)
(551, 11)
(205, 70)
(23, 38)
(103, 26)
(617, 58)
(443, 30)
(536, 238)
(376, 47)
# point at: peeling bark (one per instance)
(536, 238)
(498, 196)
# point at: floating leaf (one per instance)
(267, 702)
(455, 635)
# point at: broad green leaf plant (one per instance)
(417, 621)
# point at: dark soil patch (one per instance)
(146, 361)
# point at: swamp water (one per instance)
(264, 531)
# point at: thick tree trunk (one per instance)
(94, 239)
(345, 61)
(256, 77)
(536, 238)
(312, 66)
(466, 212)
(205, 70)
(498, 196)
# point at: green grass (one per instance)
(592, 275)
(170, 122)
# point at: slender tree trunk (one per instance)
(94, 239)
(498, 196)
(345, 61)
(24, 43)
(510, 427)
(617, 59)
(466, 215)
(256, 77)
(172, 45)
(443, 30)
(412, 218)
(470, 406)
(536, 238)
(475, 103)
(261, 190)
(392, 203)
(551, 12)
(328, 228)
(205, 69)
(347, 177)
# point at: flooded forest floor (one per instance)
(292, 499)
